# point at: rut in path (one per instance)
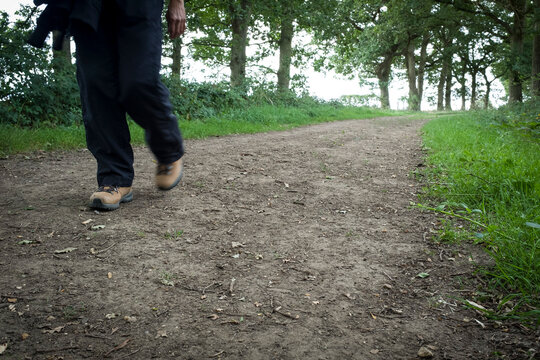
(287, 245)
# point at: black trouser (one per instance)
(118, 72)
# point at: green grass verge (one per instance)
(236, 121)
(488, 174)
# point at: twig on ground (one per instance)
(121, 346)
(98, 336)
(39, 351)
(391, 279)
(128, 355)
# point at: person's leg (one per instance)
(142, 93)
(107, 133)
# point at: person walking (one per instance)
(118, 49)
(118, 66)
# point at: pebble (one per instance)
(424, 352)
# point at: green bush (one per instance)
(32, 92)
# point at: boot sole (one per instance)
(99, 205)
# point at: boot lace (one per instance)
(108, 189)
(164, 169)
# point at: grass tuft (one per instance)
(487, 173)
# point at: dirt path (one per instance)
(289, 245)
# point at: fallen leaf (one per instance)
(66, 250)
(475, 305)
(25, 336)
(55, 330)
(130, 319)
(12, 300)
(86, 222)
(161, 333)
(373, 316)
(3, 348)
(423, 275)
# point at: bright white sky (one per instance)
(326, 86)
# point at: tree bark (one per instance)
(441, 86)
(240, 13)
(414, 103)
(474, 83)
(285, 53)
(62, 59)
(515, 87)
(448, 90)
(535, 75)
(176, 66)
(421, 68)
(488, 89)
(383, 71)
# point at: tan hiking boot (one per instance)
(169, 175)
(110, 197)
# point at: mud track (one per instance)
(287, 245)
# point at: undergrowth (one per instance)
(483, 168)
(241, 120)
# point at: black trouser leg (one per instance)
(107, 132)
(142, 93)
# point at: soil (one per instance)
(299, 244)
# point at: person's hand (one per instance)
(176, 18)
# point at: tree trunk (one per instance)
(240, 13)
(535, 75)
(488, 89)
(176, 66)
(448, 90)
(285, 53)
(421, 68)
(515, 88)
(440, 86)
(62, 59)
(473, 88)
(414, 103)
(383, 72)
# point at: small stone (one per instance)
(424, 352)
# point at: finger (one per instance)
(170, 29)
(182, 26)
(176, 29)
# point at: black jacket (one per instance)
(58, 16)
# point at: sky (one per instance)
(327, 85)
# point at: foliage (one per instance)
(486, 172)
(31, 92)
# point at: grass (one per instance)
(236, 121)
(487, 173)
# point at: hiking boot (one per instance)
(110, 197)
(169, 175)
